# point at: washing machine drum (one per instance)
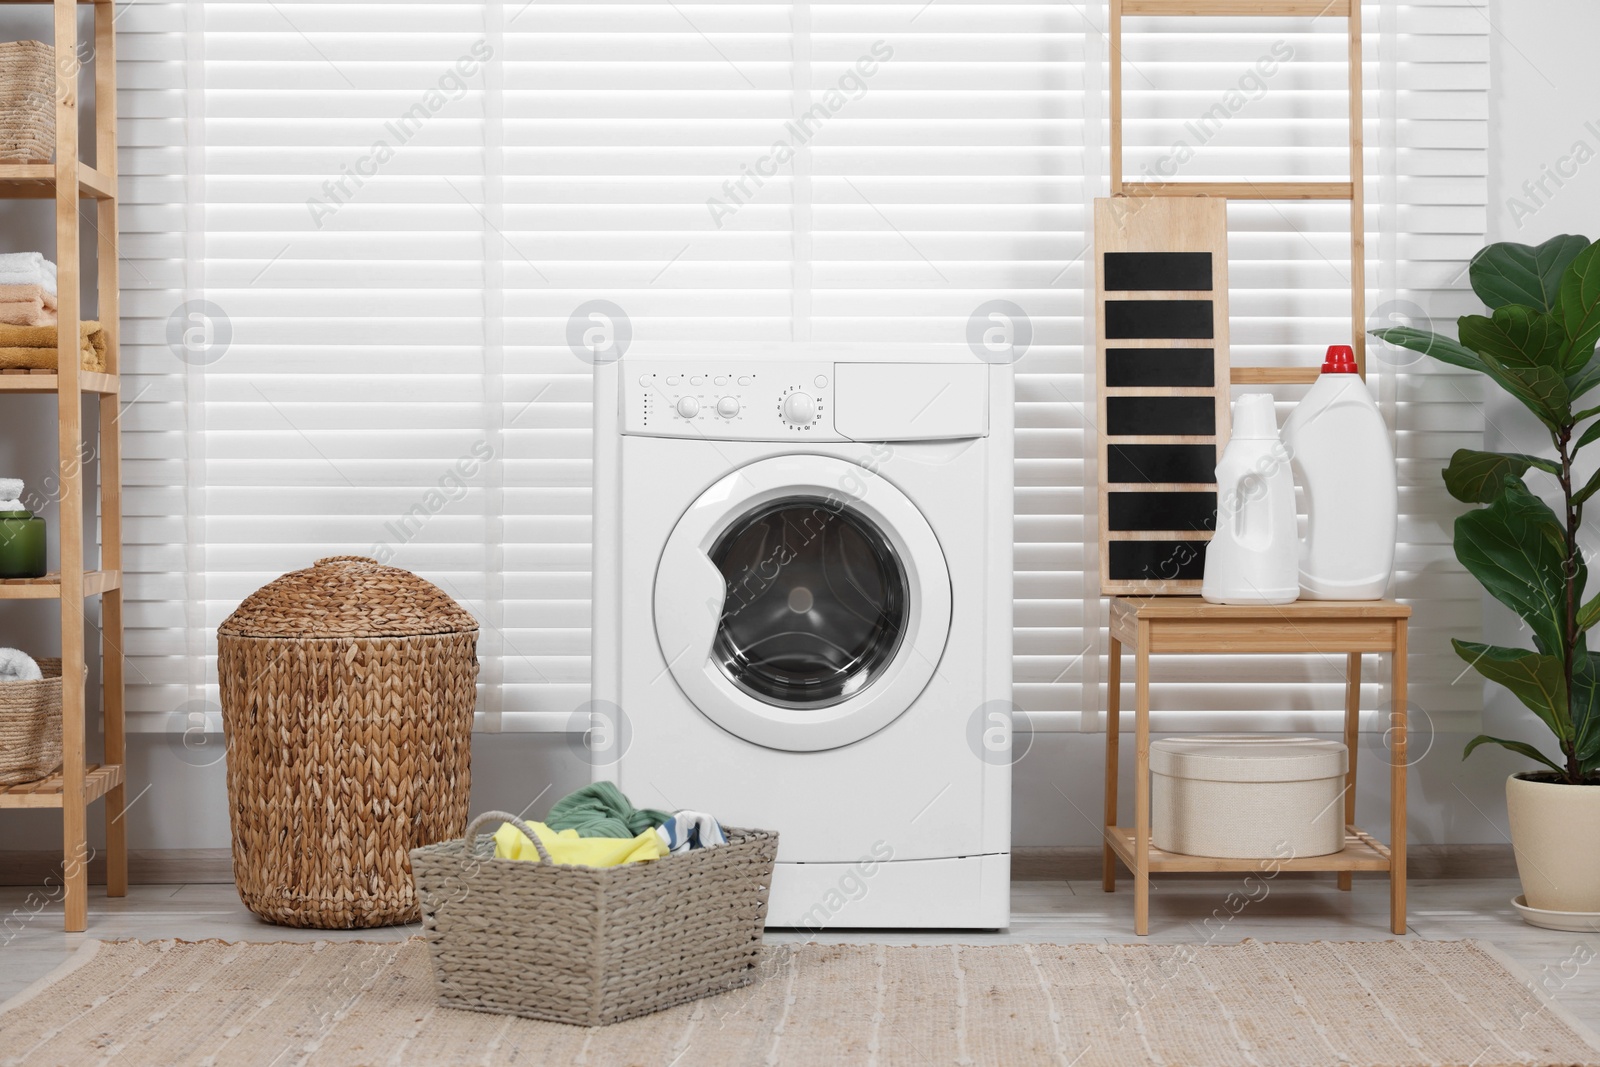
(798, 617)
(816, 603)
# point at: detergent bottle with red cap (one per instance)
(1343, 462)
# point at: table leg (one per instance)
(1141, 779)
(1397, 786)
(1352, 741)
(1108, 859)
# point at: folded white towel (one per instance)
(16, 666)
(10, 488)
(27, 268)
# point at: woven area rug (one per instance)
(361, 1003)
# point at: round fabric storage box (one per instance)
(1245, 796)
(347, 698)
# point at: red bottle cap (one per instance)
(1341, 360)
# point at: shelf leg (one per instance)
(1352, 740)
(111, 642)
(1108, 858)
(1141, 782)
(74, 826)
(110, 314)
(1397, 786)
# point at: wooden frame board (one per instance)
(1162, 371)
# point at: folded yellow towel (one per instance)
(34, 347)
(567, 847)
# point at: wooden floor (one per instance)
(1182, 911)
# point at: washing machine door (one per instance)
(802, 603)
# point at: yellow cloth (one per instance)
(567, 847)
(34, 347)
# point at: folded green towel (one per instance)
(600, 810)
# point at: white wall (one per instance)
(1546, 86)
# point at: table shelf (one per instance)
(50, 791)
(95, 583)
(1189, 625)
(1361, 852)
(37, 181)
(12, 381)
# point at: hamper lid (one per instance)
(348, 596)
(1248, 758)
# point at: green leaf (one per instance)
(1519, 747)
(1516, 548)
(1537, 680)
(1542, 391)
(1478, 477)
(1507, 273)
(1579, 305)
(1517, 336)
(1440, 347)
(1588, 489)
(1589, 613)
(1581, 382)
(1585, 710)
(1588, 437)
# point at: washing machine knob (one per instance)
(728, 407)
(688, 407)
(799, 409)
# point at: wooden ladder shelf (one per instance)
(67, 180)
(1350, 190)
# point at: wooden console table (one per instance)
(1190, 625)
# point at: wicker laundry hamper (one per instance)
(347, 699)
(27, 102)
(30, 726)
(587, 945)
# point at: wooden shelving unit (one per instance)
(1190, 626)
(68, 181)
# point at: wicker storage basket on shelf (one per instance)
(347, 698)
(589, 945)
(27, 102)
(30, 726)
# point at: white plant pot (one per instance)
(1555, 830)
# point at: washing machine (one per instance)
(802, 618)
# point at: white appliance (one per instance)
(802, 610)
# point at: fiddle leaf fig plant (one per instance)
(1537, 343)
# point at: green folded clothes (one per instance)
(600, 810)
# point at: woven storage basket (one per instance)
(30, 726)
(589, 945)
(347, 699)
(27, 102)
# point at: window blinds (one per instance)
(395, 214)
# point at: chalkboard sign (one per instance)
(1162, 298)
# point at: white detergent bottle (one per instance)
(1341, 455)
(1253, 557)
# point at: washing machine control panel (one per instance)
(734, 401)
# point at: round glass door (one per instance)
(797, 618)
(816, 603)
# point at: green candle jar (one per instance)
(22, 545)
